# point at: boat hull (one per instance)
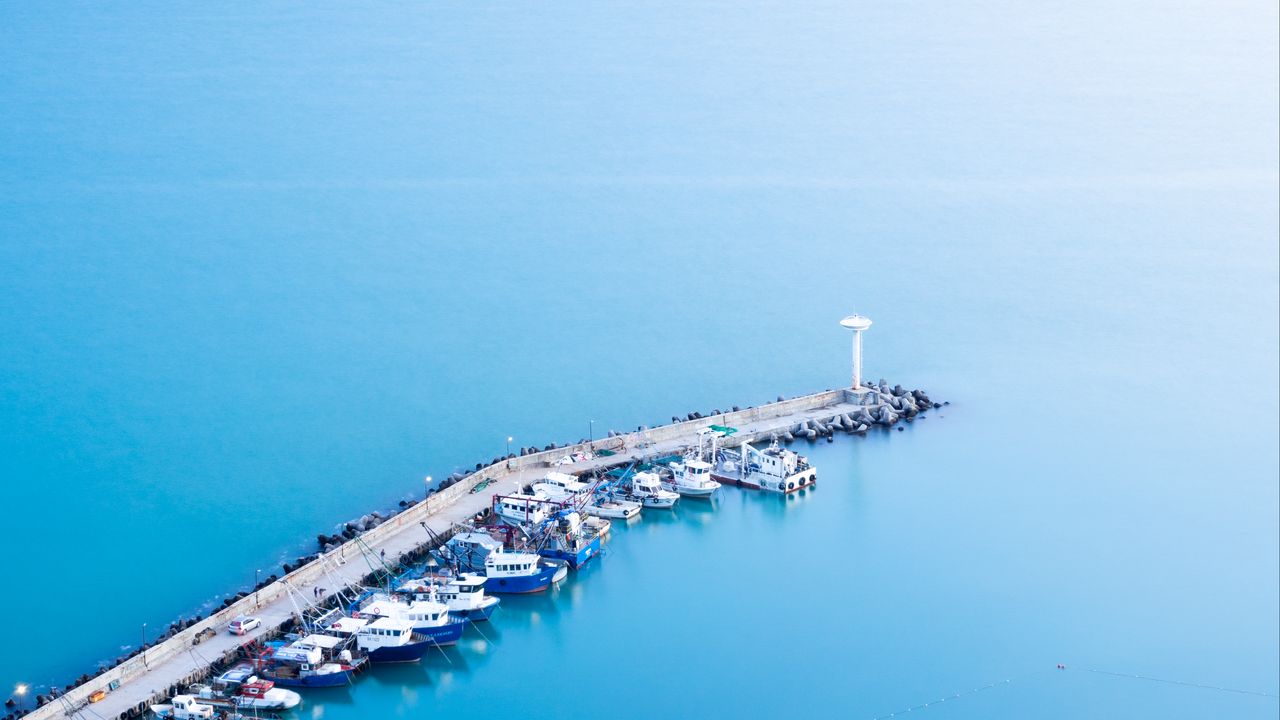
(447, 634)
(791, 483)
(694, 492)
(407, 653)
(479, 614)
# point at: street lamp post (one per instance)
(144, 645)
(427, 486)
(507, 457)
(591, 435)
(256, 573)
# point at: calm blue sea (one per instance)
(264, 267)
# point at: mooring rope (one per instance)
(955, 696)
(1183, 683)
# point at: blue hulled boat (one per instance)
(566, 537)
(388, 640)
(509, 571)
(307, 663)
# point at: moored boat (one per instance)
(311, 662)
(463, 594)
(513, 571)
(774, 469)
(524, 506)
(390, 640)
(569, 538)
(467, 550)
(429, 618)
(183, 707)
(239, 687)
(616, 508)
(691, 477)
(646, 488)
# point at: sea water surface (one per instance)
(263, 268)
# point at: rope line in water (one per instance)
(1183, 683)
(955, 696)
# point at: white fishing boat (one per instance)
(523, 507)
(464, 594)
(774, 469)
(568, 485)
(563, 497)
(646, 488)
(616, 508)
(428, 617)
(691, 477)
(183, 707)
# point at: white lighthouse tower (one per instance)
(857, 323)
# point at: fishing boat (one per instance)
(567, 487)
(389, 640)
(610, 507)
(311, 662)
(567, 537)
(646, 488)
(691, 477)
(774, 469)
(467, 550)
(428, 618)
(239, 687)
(463, 594)
(524, 506)
(512, 571)
(183, 707)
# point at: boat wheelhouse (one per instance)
(467, 550)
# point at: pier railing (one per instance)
(138, 666)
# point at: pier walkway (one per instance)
(181, 658)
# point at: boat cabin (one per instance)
(646, 483)
(385, 632)
(510, 564)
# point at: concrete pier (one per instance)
(182, 658)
